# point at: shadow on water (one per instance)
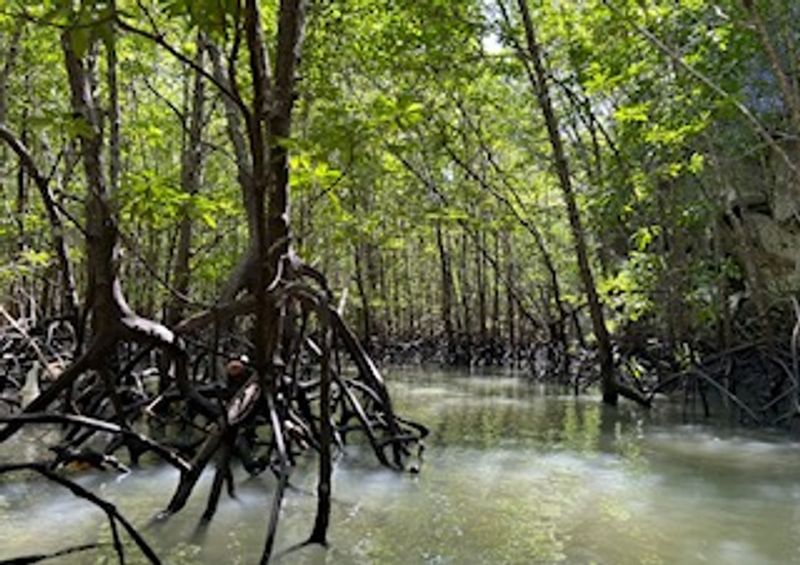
(514, 473)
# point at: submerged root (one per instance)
(179, 411)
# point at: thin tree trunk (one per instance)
(191, 180)
(465, 299)
(786, 85)
(724, 331)
(538, 79)
(480, 268)
(322, 519)
(496, 287)
(12, 52)
(371, 280)
(386, 327)
(114, 163)
(366, 314)
(510, 314)
(446, 291)
(558, 334)
(411, 330)
(245, 267)
(54, 219)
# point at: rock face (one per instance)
(778, 250)
(768, 210)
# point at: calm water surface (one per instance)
(513, 473)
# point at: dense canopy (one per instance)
(224, 214)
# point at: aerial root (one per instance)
(189, 419)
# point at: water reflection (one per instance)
(514, 473)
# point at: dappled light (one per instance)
(390, 281)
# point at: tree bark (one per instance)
(53, 218)
(245, 266)
(366, 311)
(114, 149)
(104, 297)
(446, 291)
(258, 154)
(12, 52)
(538, 78)
(191, 180)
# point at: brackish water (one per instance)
(513, 473)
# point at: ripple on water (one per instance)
(512, 475)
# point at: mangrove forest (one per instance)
(399, 281)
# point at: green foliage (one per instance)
(147, 196)
(629, 291)
(415, 119)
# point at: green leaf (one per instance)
(209, 220)
(35, 258)
(696, 163)
(632, 113)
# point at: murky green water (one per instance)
(511, 475)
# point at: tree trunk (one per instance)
(272, 108)
(558, 334)
(191, 180)
(366, 313)
(786, 85)
(538, 78)
(496, 287)
(465, 299)
(8, 67)
(411, 328)
(104, 298)
(114, 149)
(54, 219)
(510, 314)
(446, 291)
(238, 278)
(480, 269)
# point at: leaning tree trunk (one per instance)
(42, 183)
(538, 78)
(112, 320)
(245, 266)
